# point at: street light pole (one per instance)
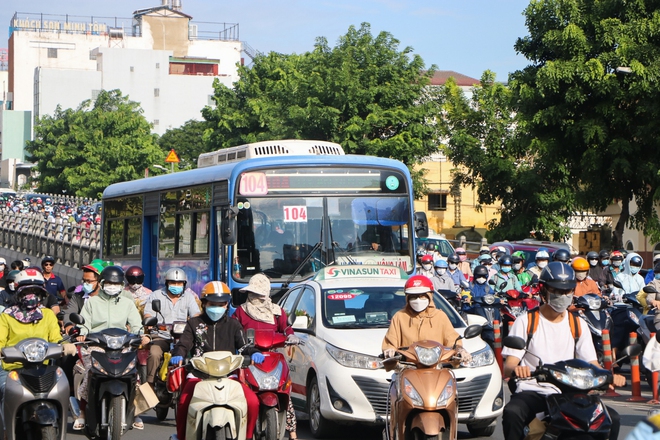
(160, 167)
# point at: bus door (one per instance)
(150, 254)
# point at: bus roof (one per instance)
(201, 176)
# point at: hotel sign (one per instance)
(56, 25)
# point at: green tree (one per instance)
(599, 125)
(487, 143)
(188, 142)
(83, 151)
(364, 94)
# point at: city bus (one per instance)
(284, 208)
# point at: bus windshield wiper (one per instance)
(305, 260)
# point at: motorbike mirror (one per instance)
(502, 286)
(491, 282)
(150, 321)
(70, 291)
(630, 351)
(60, 316)
(515, 342)
(473, 331)
(617, 284)
(155, 305)
(77, 319)
(465, 284)
(657, 336)
(650, 289)
(250, 334)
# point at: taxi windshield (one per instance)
(371, 307)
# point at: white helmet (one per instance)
(176, 274)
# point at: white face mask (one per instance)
(541, 264)
(427, 266)
(593, 263)
(616, 263)
(559, 302)
(480, 280)
(452, 266)
(419, 304)
(112, 289)
(441, 271)
(580, 276)
(517, 266)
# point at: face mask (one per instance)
(593, 263)
(112, 290)
(453, 266)
(441, 272)
(175, 290)
(30, 301)
(605, 262)
(88, 287)
(419, 304)
(657, 276)
(616, 263)
(253, 297)
(12, 286)
(506, 269)
(480, 280)
(517, 266)
(634, 270)
(541, 264)
(215, 312)
(581, 276)
(559, 302)
(462, 257)
(134, 287)
(427, 266)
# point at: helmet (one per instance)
(616, 255)
(505, 260)
(97, 268)
(542, 255)
(29, 277)
(636, 261)
(519, 254)
(562, 255)
(417, 285)
(484, 250)
(480, 271)
(460, 251)
(593, 255)
(453, 259)
(580, 264)
(656, 258)
(604, 254)
(112, 274)
(441, 263)
(430, 247)
(215, 291)
(500, 254)
(427, 259)
(516, 259)
(176, 274)
(11, 275)
(134, 275)
(558, 275)
(483, 258)
(47, 259)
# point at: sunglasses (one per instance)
(48, 264)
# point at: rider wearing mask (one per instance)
(630, 279)
(441, 279)
(420, 320)
(584, 284)
(562, 255)
(506, 276)
(427, 266)
(595, 271)
(483, 251)
(452, 269)
(649, 300)
(606, 278)
(542, 258)
(176, 304)
(617, 263)
(7, 296)
(464, 265)
(213, 330)
(518, 265)
(135, 286)
(479, 286)
(649, 275)
(259, 313)
(552, 342)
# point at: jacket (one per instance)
(13, 331)
(586, 286)
(247, 322)
(202, 335)
(631, 283)
(408, 326)
(510, 279)
(646, 298)
(103, 311)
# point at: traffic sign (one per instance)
(172, 157)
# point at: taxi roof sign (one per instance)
(361, 271)
(172, 157)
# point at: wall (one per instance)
(16, 129)
(67, 88)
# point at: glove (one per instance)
(389, 352)
(176, 360)
(257, 358)
(69, 350)
(463, 354)
(293, 340)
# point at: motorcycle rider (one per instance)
(464, 265)
(552, 342)
(584, 284)
(506, 276)
(427, 265)
(562, 255)
(134, 285)
(518, 265)
(258, 312)
(652, 300)
(649, 275)
(176, 304)
(7, 295)
(479, 286)
(452, 269)
(54, 284)
(630, 279)
(27, 318)
(606, 278)
(483, 251)
(617, 262)
(441, 279)
(595, 271)
(542, 258)
(213, 330)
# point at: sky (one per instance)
(466, 36)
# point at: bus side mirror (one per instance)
(228, 225)
(421, 225)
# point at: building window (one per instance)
(156, 122)
(157, 65)
(52, 52)
(132, 69)
(156, 93)
(92, 55)
(437, 202)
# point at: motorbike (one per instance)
(593, 309)
(487, 306)
(218, 410)
(574, 412)
(514, 306)
(112, 381)
(422, 402)
(37, 395)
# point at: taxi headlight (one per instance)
(428, 356)
(35, 351)
(267, 381)
(412, 393)
(447, 392)
(581, 378)
(480, 358)
(353, 360)
(114, 342)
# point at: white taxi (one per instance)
(342, 315)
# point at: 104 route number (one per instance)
(295, 213)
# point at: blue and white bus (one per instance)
(285, 208)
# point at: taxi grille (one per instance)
(470, 392)
(375, 392)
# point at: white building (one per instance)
(158, 58)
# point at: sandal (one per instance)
(293, 436)
(79, 424)
(137, 423)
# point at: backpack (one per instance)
(533, 324)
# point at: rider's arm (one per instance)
(392, 338)
(185, 343)
(148, 311)
(512, 364)
(193, 307)
(133, 318)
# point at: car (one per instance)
(441, 244)
(342, 315)
(530, 246)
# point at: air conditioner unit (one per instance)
(192, 31)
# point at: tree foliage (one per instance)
(601, 126)
(188, 142)
(364, 93)
(83, 151)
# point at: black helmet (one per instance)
(636, 261)
(604, 255)
(453, 259)
(516, 259)
(112, 274)
(505, 260)
(593, 255)
(47, 259)
(561, 255)
(480, 271)
(500, 254)
(558, 275)
(134, 275)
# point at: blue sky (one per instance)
(467, 36)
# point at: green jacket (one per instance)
(104, 311)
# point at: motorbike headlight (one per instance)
(480, 358)
(634, 318)
(594, 303)
(353, 360)
(580, 378)
(447, 392)
(412, 393)
(35, 351)
(489, 299)
(428, 356)
(130, 366)
(516, 311)
(267, 381)
(114, 342)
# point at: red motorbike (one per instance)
(271, 381)
(517, 304)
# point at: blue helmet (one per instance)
(441, 263)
